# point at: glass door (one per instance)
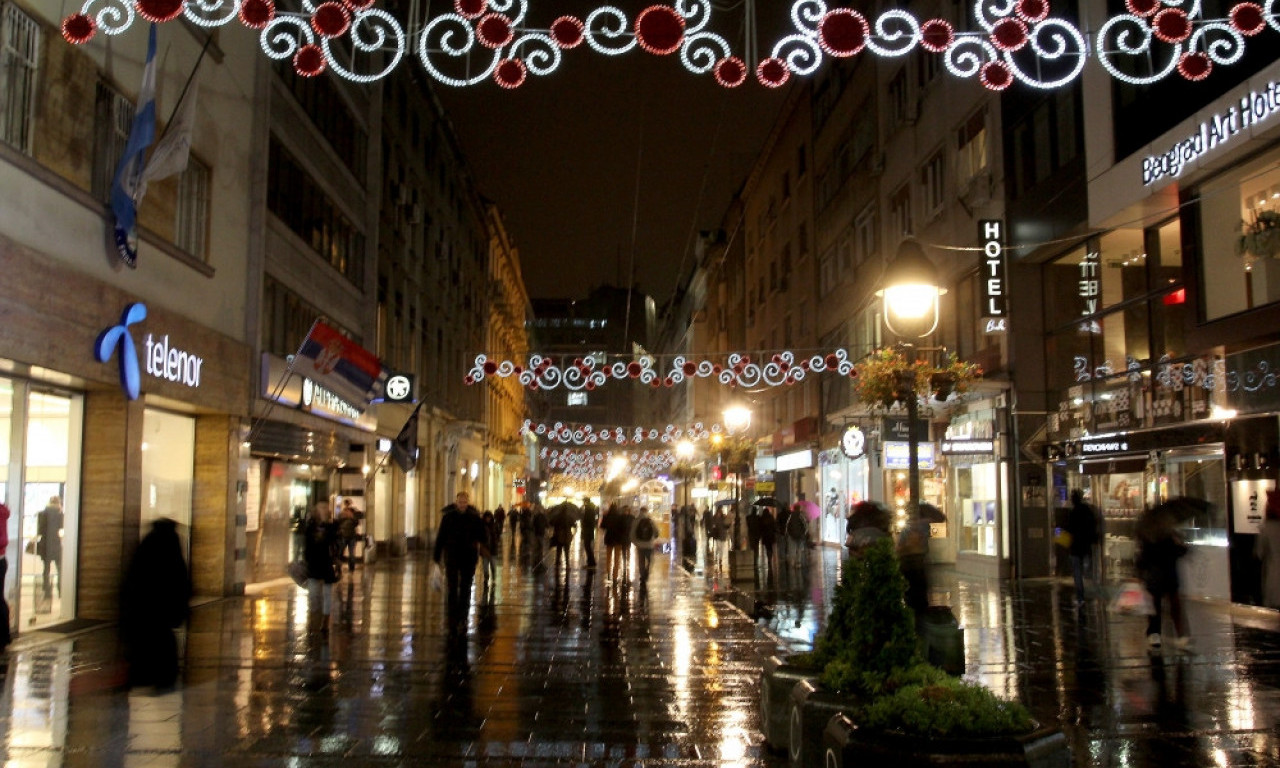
(1201, 474)
(50, 509)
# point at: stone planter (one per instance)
(844, 744)
(776, 681)
(812, 707)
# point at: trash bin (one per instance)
(942, 639)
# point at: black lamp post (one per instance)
(911, 310)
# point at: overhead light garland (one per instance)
(583, 434)
(482, 40)
(591, 463)
(587, 373)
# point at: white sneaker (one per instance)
(1153, 640)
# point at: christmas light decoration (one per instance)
(480, 40)
(581, 434)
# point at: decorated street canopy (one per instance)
(507, 41)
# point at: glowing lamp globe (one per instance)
(911, 292)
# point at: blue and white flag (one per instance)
(124, 188)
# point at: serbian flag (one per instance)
(341, 366)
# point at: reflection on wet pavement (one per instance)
(577, 670)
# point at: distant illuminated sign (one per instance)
(898, 455)
(994, 301)
(853, 443)
(953, 447)
(795, 460)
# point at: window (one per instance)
(785, 269)
(971, 144)
(1232, 282)
(114, 118)
(19, 55)
(900, 212)
(773, 276)
(302, 205)
(928, 71)
(192, 222)
(786, 186)
(931, 179)
(577, 398)
(864, 235)
(846, 252)
(828, 274)
(802, 162)
(802, 240)
(900, 108)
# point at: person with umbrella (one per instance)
(913, 555)
(768, 529)
(1160, 547)
(563, 518)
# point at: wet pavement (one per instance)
(579, 671)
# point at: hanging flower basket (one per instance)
(1260, 238)
(886, 377)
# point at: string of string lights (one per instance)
(496, 41)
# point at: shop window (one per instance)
(168, 469)
(976, 503)
(1096, 276)
(1233, 281)
(19, 58)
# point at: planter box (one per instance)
(812, 707)
(776, 681)
(845, 745)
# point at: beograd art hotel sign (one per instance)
(1255, 107)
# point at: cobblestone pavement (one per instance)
(578, 671)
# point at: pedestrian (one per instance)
(707, 519)
(49, 527)
(1160, 547)
(526, 528)
(1268, 551)
(499, 520)
(348, 533)
(5, 637)
(644, 534)
(868, 522)
(538, 532)
(797, 536)
(320, 546)
(490, 543)
(562, 525)
(768, 529)
(460, 543)
(590, 521)
(753, 534)
(1082, 526)
(155, 599)
(716, 537)
(615, 538)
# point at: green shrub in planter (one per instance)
(945, 708)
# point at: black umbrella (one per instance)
(767, 501)
(932, 514)
(569, 508)
(725, 503)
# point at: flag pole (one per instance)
(256, 426)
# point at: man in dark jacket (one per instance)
(590, 521)
(1082, 525)
(461, 543)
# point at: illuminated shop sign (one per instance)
(398, 389)
(1103, 446)
(794, 460)
(955, 447)
(898, 455)
(161, 359)
(994, 302)
(853, 442)
(317, 398)
(1255, 107)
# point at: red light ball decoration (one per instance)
(1247, 18)
(490, 367)
(78, 28)
(995, 76)
(331, 19)
(936, 35)
(160, 11)
(831, 361)
(470, 9)
(1195, 66)
(1009, 34)
(257, 14)
(1032, 11)
(717, 368)
(659, 30)
(689, 368)
(655, 383)
(843, 32)
(730, 72)
(633, 370)
(1171, 25)
(1142, 7)
(519, 369)
(309, 61)
(494, 30)
(566, 31)
(773, 73)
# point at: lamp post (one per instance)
(911, 309)
(684, 451)
(737, 419)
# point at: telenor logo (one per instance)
(117, 338)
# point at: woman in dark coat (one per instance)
(154, 601)
(319, 549)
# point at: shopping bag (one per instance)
(298, 572)
(437, 578)
(1063, 539)
(1133, 599)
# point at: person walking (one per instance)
(768, 529)
(491, 544)
(1160, 547)
(538, 532)
(49, 527)
(753, 534)
(348, 533)
(717, 537)
(499, 521)
(320, 547)
(155, 600)
(590, 521)
(1268, 551)
(460, 543)
(1082, 526)
(644, 534)
(562, 524)
(797, 537)
(5, 637)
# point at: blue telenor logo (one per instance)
(117, 337)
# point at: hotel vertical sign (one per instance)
(994, 274)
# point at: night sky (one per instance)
(560, 154)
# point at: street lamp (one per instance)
(911, 309)
(684, 451)
(737, 418)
